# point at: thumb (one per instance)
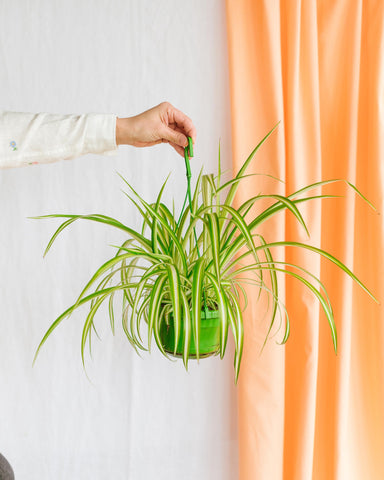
(174, 137)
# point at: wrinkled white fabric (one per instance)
(33, 138)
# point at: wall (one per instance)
(136, 418)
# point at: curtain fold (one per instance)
(317, 67)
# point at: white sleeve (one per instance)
(30, 138)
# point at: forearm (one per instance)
(30, 138)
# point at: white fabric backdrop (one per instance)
(139, 418)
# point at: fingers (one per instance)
(183, 123)
(178, 149)
(174, 137)
(176, 128)
(177, 120)
(163, 123)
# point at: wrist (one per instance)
(124, 131)
(119, 131)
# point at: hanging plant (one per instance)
(184, 275)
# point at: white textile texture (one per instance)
(126, 417)
(33, 138)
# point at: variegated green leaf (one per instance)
(187, 332)
(236, 320)
(154, 304)
(174, 290)
(197, 295)
(223, 307)
(241, 172)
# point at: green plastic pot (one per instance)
(209, 343)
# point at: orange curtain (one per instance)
(318, 68)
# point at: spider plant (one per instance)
(178, 271)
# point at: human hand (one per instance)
(161, 124)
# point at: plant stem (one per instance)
(188, 151)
